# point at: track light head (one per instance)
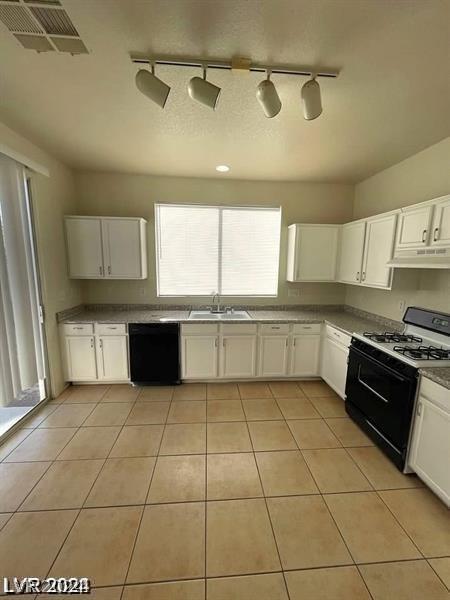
(204, 91)
(152, 87)
(268, 97)
(312, 101)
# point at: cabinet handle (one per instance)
(112, 327)
(100, 270)
(357, 276)
(223, 342)
(294, 341)
(79, 328)
(363, 276)
(109, 270)
(92, 342)
(101, 343)
(419, 409)
(424, 236)
(435, 235)
(286, 342)
(216, 343)
(274, 328)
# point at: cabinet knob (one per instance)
(109, 270)
(100, 269)
(363, 276)
(435, 235)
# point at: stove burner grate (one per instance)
(391, 336)
(423, 352)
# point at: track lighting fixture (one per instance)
(312, 101)
(204, 91)
(152, 87)
(207, 93)
(268, 97)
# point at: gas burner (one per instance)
(391, 336)
(423, 352)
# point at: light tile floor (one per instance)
(252, 491)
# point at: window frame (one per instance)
(220, 208)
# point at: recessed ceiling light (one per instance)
(222, 168)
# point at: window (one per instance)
(201, 250)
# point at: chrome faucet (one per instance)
(216, 309)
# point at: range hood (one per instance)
(429, 258)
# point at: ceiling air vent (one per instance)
(34, 42)
(41, 25)
(55, 21)
(71, 45)
(17, 18)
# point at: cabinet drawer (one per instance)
(307, 328)
(238, 328)
(275, 328)
(435, 392)
(199, 329)
(110, 328)
(337, 335)
(78, 329)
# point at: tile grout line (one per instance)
(146, 498)
(78, 510)
(267, 507)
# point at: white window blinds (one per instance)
(201, 250)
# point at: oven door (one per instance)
(384, 397)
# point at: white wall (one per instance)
(53, 196)
(421, 177)
(118, 194)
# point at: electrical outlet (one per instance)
(142, 290)
(401, 307)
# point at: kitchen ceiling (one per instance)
(391, 99)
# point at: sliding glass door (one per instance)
(22, 356)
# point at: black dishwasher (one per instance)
(154, 353)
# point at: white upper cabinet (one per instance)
(106, 247)
(440, 231)
(312, 252)
(351, 255)
(414, 226)
(125, 255)
(84, 247)
(378, 250)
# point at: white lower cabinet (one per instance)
(430, 443)
(305, 354)
(81, 364)
(199, 356)
(334, 359)
(95, 352)
(113, 357)
(238, 356)
(273, 355)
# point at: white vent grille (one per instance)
(55, 21)
(70, 45)
(17, 18)
(34, 42)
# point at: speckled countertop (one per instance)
(343, 320)
(439, 375)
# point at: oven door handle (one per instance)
(379, 364)
(367, 386)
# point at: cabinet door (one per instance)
(351, 255)
(122, 248)
(305, 355)
(378, 250)
(273, 355)
(84, 248)
(430, 447)
(80, 356)
(316, 252)
(199, 356)
(334, 365)
(238, 356)
(440, 235)
(113, 357)
(414, 226)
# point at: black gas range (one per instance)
(383, 372)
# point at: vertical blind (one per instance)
(202, 250)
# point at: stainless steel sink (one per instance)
(206, 315)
